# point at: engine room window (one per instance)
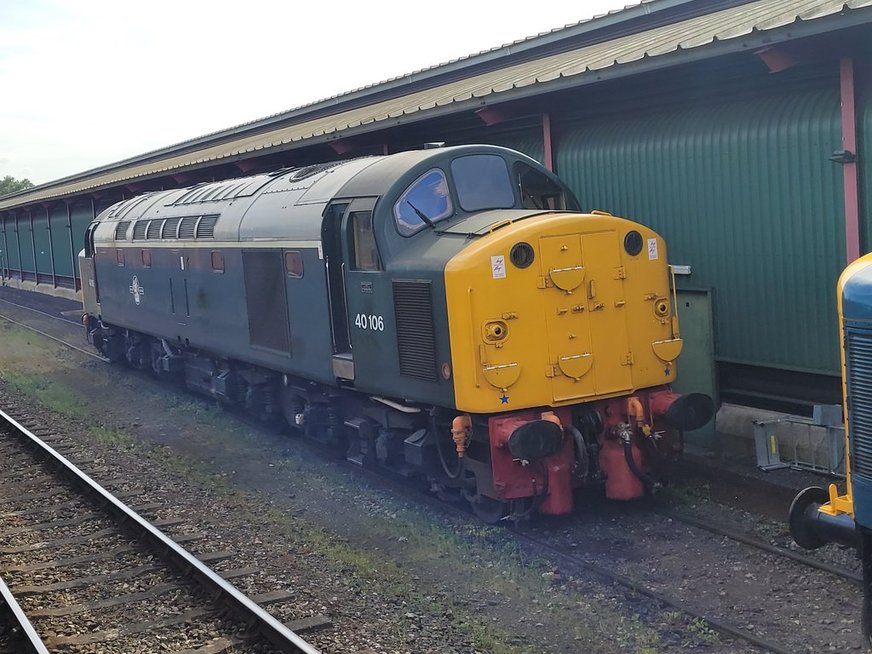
(217, 261)
(119, 257)
(294, 264)
(538, 191)
(365, 252)
(146, 258)
(426, 201)
(482, 182)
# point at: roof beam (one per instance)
(778, 58)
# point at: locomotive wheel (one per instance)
(488, 509)
(156, 354)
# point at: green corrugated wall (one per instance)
(42, 244)
(530, 143)
(60, 242)
(81, 217)
(10, 244)
(745, 193)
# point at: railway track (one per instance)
(759, 544)
(666, 600)
(663, 598)
(545, 546)
(62, 319)
(587, 566)
(88, 571)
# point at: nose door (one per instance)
(584, 313)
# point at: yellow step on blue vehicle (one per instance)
(823, 515)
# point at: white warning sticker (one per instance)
(498, 267)
(652, 249)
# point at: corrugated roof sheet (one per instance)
(725, 25)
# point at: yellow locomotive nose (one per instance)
(557, 309)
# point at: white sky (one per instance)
(88, 82)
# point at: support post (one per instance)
(33, 247)
(6, 272)
(72, 247)
(849, 167)
(546, 139)
(18, 247)
(54, 277)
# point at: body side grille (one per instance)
(121, 230)
(858, 362)
(416, 341)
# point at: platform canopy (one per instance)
(653, 34)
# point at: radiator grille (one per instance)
(858, 361)
(170, 228)
(154, 228)
(186, 229)
(139, 229)
(206, 226)
(121, 230)
(416, 341)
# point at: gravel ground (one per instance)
(389, 574)
(389, 577)
(768, 595)
(774, 532)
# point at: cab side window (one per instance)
(539, 191)
(365, 254)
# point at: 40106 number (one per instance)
(369, 322)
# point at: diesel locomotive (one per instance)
(822, 515)
(448, 313)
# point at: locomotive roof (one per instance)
(289, 203)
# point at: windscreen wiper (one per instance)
(421, 215)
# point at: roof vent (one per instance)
(433, 145)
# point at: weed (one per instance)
(114, 438)
(700, 629)
(53, 395)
